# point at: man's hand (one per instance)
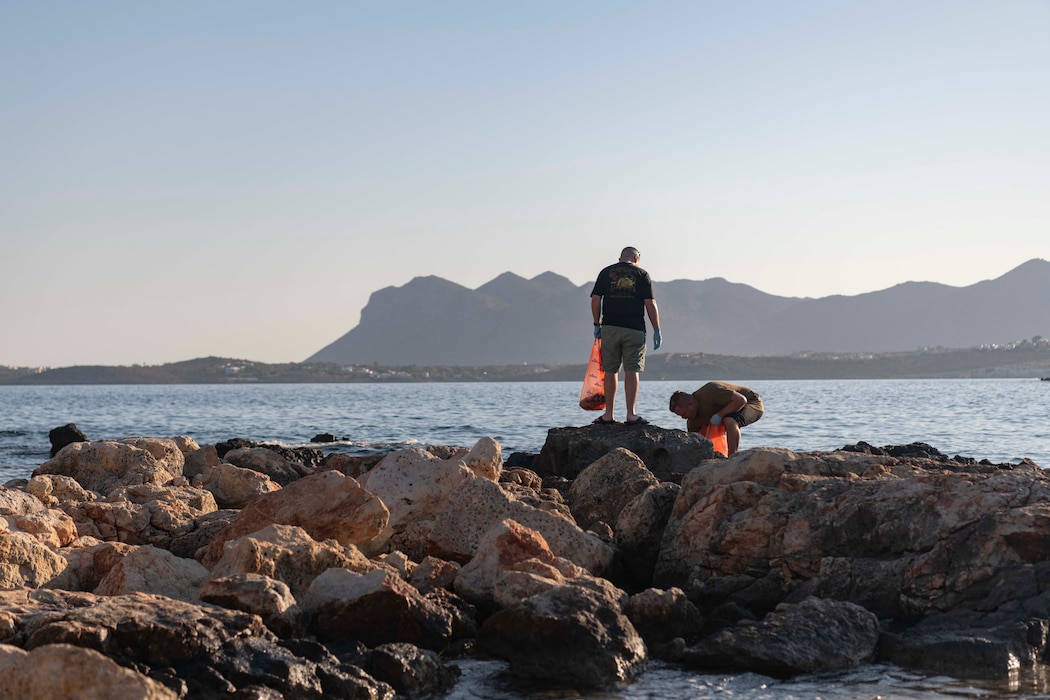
(716, 419)
(597, 331)
(658, 338)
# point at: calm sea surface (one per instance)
(1002, 420)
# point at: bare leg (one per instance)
(732, 435)
(610, 395)
(630, 392)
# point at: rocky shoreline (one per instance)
(160, 568)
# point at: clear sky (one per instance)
(235, 178)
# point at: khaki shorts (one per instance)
(624, 346)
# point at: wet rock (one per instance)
(662, 616)
(577, 635)
(812, 636)
(411, 671)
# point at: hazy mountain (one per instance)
(546, 319)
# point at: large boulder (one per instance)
(65, 435)
(271, 463)
(574, 634)
(808, 637)
(375, 608)
(415, 484)
(666, 453)
(105, 465)
(512, 563)
(287, 554)
(142, 514)
(66, 671)
(158, 571)
(327, 505)
(639, 529)
(603, 489)
(480, 504)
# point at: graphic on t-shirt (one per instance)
(622, 285)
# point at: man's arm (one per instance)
(736, 402)
(596, 308)
(654, 313)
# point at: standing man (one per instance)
(620, 300)
(719, 402)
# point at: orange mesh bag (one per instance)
(717, 435)
(592, 397)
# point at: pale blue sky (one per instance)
(191, 178)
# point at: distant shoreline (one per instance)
(1027, 359)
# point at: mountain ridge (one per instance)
(546, 319)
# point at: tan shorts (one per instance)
(623, 346)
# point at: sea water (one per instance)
(1001, 420)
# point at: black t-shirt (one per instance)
(623, 288)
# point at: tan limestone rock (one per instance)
(288, 554)
(57, 671)
(327, 505)
(233, 486)
(151, 570)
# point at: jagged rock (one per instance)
(23, 512)
(327, 505)
(269, 462)
(142, 514)
(202, 530)
(233, 486)
(415, 484)
(135, 628)
(666, 453)
(288, 554)
(375, 608)
(151, 570)
(639, 530)
(574, 634)
(481, 504)
(433, 573)
(64, 435)
(26, 561)
(268, 598)
(89, 560)
(105, 465)
(897, 536)
(411, 671)
(512, 563)
(662, 616)
(198, 461)
(808, 637)
(53, 489)
(66, 671)
(604, 488)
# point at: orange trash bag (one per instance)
(717, 435)
(592, 397)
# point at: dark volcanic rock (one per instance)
(64, 435)
(667, 453)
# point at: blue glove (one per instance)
(597, 331)
(716, 419)
(657, 339)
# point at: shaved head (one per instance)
(629, 254)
